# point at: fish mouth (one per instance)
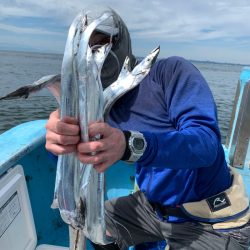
(157, 49)
(155, 54)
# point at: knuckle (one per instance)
(47, 136)
(102, 126)
(76, 129)
(62, 151)
(79, 147)
(50, 148)
(47, 146)
(67, 149)
(95, 147)
(76, 139)
(62, 139)
(105, 126)
(58, 126)
(53, 115)
(96, 159)
(47, 125)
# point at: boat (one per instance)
(27, 177)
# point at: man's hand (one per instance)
(62, 136)
(104, 152)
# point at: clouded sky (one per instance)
(215, 30)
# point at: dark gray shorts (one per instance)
(131, 220)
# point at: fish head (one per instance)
(100, 53)
(150, 59)
(145, 65)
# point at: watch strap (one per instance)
(127, 152)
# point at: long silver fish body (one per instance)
(90, 105)
(91, 101)
(64, 184)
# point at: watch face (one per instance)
(138, 143)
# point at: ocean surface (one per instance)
(21, 68)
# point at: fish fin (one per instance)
(145, 65)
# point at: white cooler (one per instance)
(17, 228)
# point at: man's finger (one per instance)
(66, 128)
(100, 168)
(71, 120)
(62, 128)
(93, 146)
(99, 128)
(59, 149)
(92, 159)
(64, 140)
(55, 115)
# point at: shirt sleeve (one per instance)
(194, 142)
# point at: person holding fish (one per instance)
(167, 125)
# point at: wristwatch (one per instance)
(135, 146)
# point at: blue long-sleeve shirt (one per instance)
(174, 108)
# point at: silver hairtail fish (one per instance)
(89, 192)
(84, 72)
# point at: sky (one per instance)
(214, 30)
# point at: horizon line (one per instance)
(61, 54)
